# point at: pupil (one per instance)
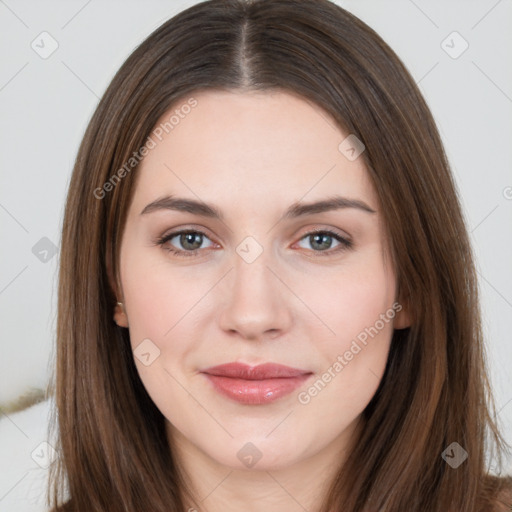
(321, 240)
(187, 240)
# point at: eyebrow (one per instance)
(297, 209)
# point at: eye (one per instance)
(322, 241)
(185, 242)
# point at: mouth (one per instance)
(255, 385)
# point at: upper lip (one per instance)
(260, 372)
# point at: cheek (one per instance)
(159, 303)
(146, 302)
(157, 296)
(165, 304)
(360, 311)
(353, 300)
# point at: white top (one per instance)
(25, 457)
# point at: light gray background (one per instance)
(46, 104)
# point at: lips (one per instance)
(255, 385)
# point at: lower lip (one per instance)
(256, 392)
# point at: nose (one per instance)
(256, 304)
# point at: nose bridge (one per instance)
(255, 302)
(251, 261)
(252, 275)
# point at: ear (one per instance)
(120, 316)
(403, 317)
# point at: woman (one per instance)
(267, 296)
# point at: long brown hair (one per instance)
(114, 454)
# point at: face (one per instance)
(257, 276)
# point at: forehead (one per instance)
(249, 147)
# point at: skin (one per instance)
(252, 155)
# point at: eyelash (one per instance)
(345, 244)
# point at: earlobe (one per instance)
(402, 318)
(120, 317)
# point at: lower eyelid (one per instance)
(344, 243)
(168, 238)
